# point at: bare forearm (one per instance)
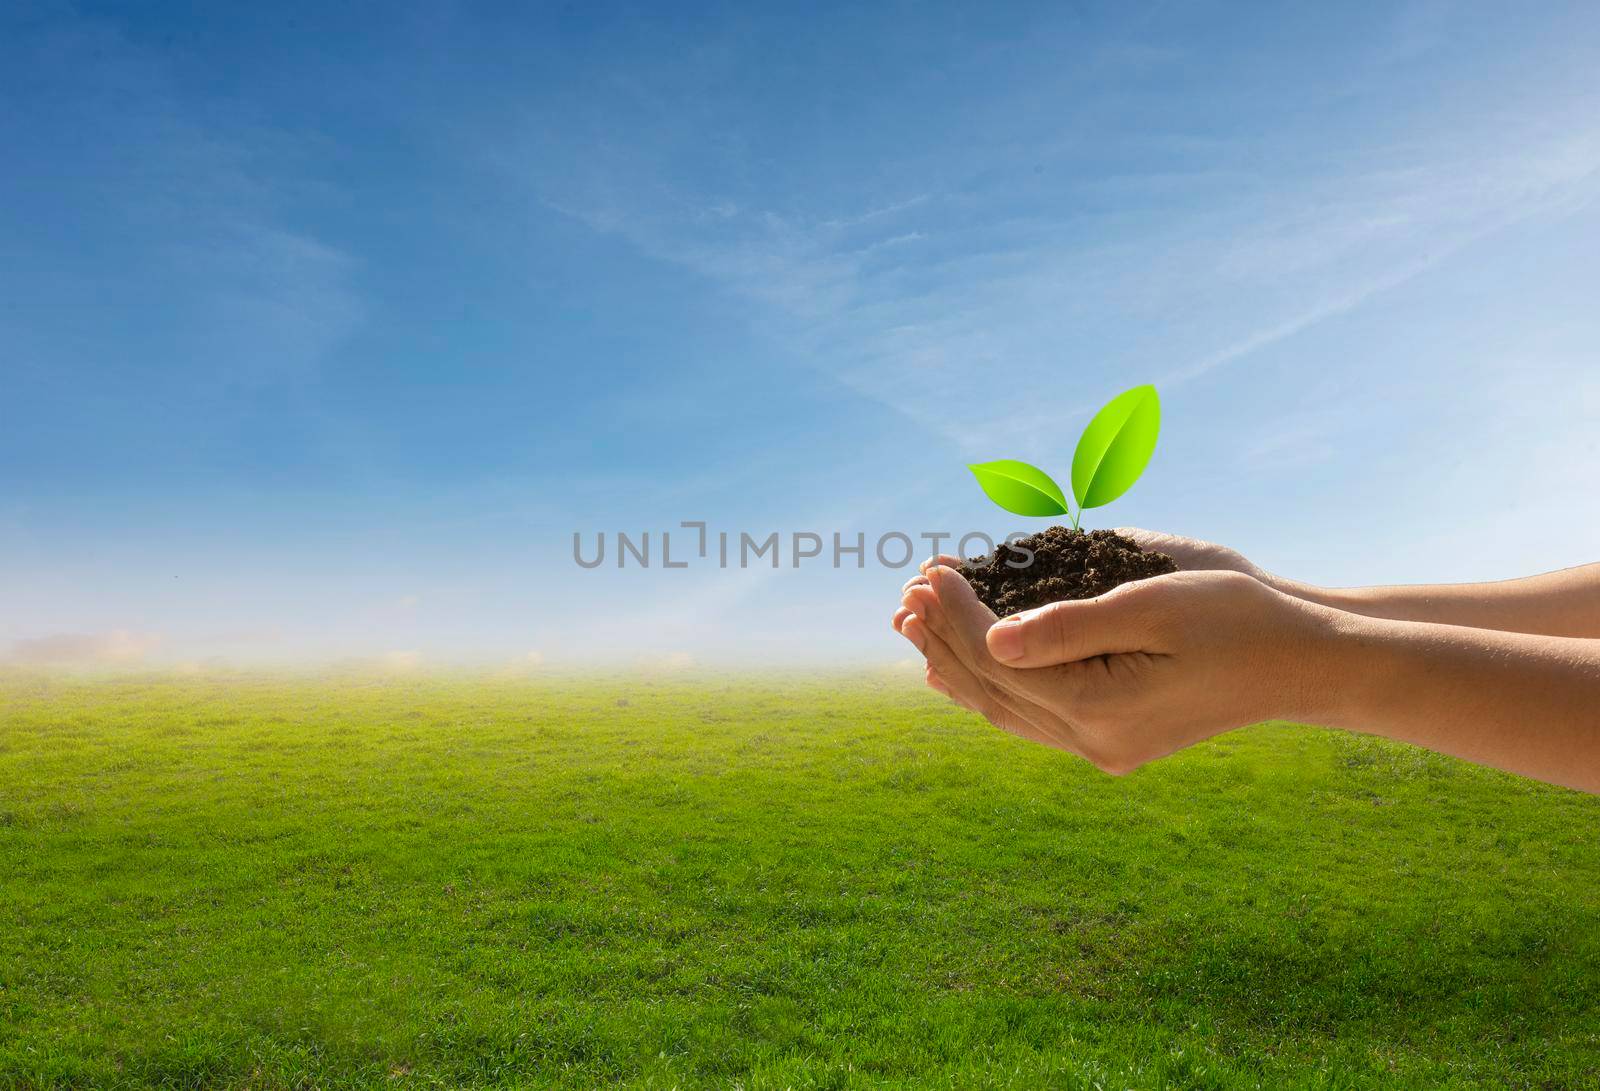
(1527, 704)
(1565, 603)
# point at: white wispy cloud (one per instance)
(905, 301)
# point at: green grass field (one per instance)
(759, 883)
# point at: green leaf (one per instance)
(1116, 447)
(1019, 488)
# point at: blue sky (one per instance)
(323, 329)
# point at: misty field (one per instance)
(793, 881)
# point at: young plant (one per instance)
(1112, 452)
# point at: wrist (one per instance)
(1336, 665)
(1333, 597)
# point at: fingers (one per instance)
(1065, 632)
(949, 608)
(1006, 711)
(904, 611)
(1161, 541)
(1147, 540)
(924, 622)
(931, 676)
(960, 618)
(937, 683)
(921, 600)
(947, 605)
(899, 618)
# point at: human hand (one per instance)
(1564, 603)
(1144, 670)
(1194, 555)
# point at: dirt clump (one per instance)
(1067, 564)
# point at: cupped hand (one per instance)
(1123, 679)
(1195, 555)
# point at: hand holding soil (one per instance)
(1123, 678)
(1505, 674)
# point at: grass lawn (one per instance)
(426, 881)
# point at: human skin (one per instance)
(1160, 664)
(1564, 603)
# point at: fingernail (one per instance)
(1005, 640)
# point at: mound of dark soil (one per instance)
(1067, 564)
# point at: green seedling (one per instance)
(1112, 452)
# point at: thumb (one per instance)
(1065, 632)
